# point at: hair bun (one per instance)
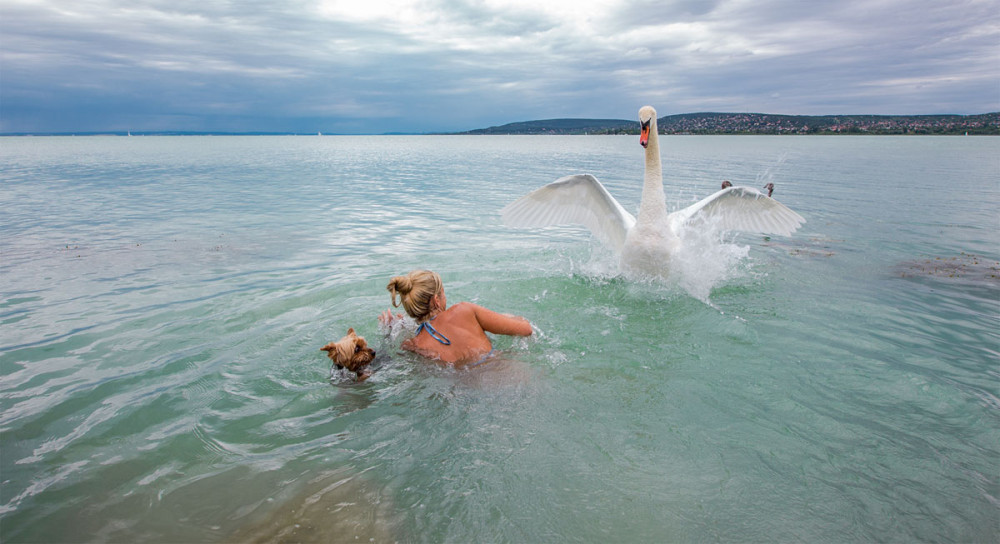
(399, 286)
(402, 284)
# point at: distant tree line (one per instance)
(763, 123)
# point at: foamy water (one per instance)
(163, 301)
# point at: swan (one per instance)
(644, 245)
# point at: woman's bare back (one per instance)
(464, 325)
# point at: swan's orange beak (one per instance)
(644, 135)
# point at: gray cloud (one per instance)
(440, 65)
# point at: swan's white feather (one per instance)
(579, 199)
(739, 209)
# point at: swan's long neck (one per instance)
(654, 201)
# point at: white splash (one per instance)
(705, 261)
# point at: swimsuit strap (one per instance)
(483, 359)
(433, 332)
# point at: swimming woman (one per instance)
(451, 335)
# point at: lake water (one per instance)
(163, 301)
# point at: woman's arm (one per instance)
(498, 323)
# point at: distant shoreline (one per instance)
(706, 123)
(766, 124)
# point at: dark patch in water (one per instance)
(966, 267)
(332, 508)
(814, 247)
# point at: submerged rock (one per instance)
(966, 266)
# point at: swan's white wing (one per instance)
(742, 209)
(578, 199)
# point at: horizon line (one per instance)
(160, 132)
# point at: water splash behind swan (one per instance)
(647, 245)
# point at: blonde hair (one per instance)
(415, 291)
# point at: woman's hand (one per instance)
(386, 318)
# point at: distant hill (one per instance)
(764, 123)
(563, 126)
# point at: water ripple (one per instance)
(164, 300)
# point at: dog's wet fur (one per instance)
(351, 352)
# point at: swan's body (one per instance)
(646, 244)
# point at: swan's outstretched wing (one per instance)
(578, 199)
(740, 208)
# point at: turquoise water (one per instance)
(163, 301)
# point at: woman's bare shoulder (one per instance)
(466, 312)
(466, 308)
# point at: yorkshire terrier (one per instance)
(351, 352)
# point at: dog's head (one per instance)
(351, 352)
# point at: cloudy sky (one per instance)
(373, 66)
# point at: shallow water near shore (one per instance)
(163, 301)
